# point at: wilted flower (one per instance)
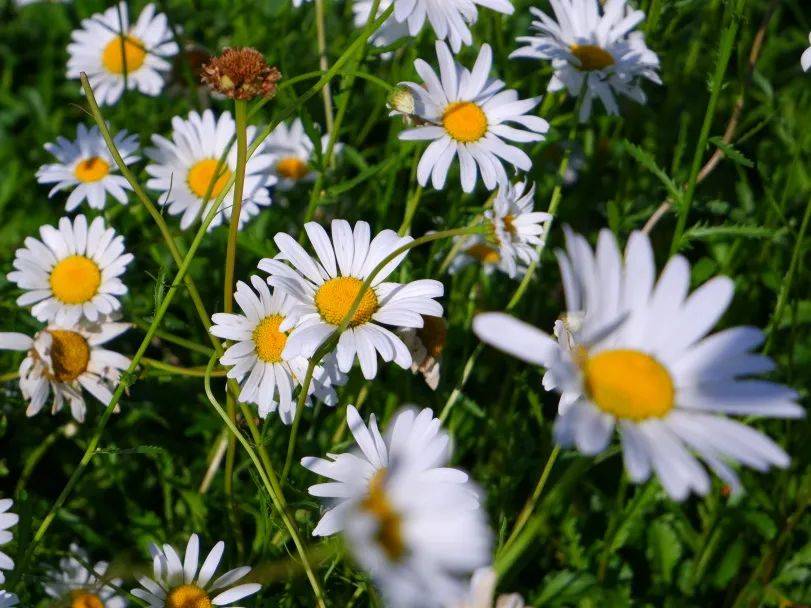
(241, 73)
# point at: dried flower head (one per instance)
(241, 73)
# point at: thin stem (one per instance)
(286, 519)
(328, 343)
(175, 370)
(724, 53)
(9, 376)
(411, 209)
(786, 283)
(532, 502)
(323, 62)
(240, 117)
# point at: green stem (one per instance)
(328, 343)
(786, 283)
(269, 488)
(724, 53)
(240, 116)
(9, 376)
(193, 372)
(323, 62)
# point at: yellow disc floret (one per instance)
(70, 354)
(75, 279)
(92, 169)
(465, 121)
(187, 596)
(201, 176)
(484, 253)
(82, 598)
(629, 384)
(268, 340)
(335, 297)
(592, 57)
(389, 534)
(292, 167)
(134, 53)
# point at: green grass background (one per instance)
(595, 541)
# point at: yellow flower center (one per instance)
(592, 57)
(335, 297)
(376, 503)
(133, 56)
(629, 384)
(75, 279)
(70, 354)
(187, 596)
(509, 226)
(92, 169)
(465, 121)
(81, 598)
(202, 174)
(292, 167)
(268, 340)
(484, 253)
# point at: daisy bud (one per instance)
(241, 73)
(401, 100)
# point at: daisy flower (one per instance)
(63, 360)
(7, 520)
(390, 32)
(256, 358)
(291, 153)
(413, 523)
(515, 232)
(112, 52)
(325, 287)
(186, 168)
(86, 168)
(636, 356)
(178, 583)
(482, 592)
(76, 586)
(72, 273)
(805, 60)
(464, 112)
(8, 600)
(448, 18)
(592, 45)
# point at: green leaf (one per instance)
(646, 160)
(664, 549)
(730, 563)
(731, 152)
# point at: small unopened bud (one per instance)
(401, 100)
(241, 74)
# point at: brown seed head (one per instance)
(241, 73)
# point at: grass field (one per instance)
(715, 165)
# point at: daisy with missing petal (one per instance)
(7, 520)
(413, 523)
(482, 592)
(325, 287)
(86, 168)
(256, 358)
(8, 600)
(64, 360)
(72, 584)
(72, 273)
(592, 45)
(515, 232)
(178, 583)
(450, 19)
(390, 32)
(186, 169)
(112, 52)
(465, 113)
(805, 60)
(639, 359)
(291, 153)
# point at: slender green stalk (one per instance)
(786, 283)
(532, 502)
(269, 487)
(724, 53)
(240, 117)
(350, 313)
(323, 62)
(9, 376)
(411, 209)
(175, 370)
